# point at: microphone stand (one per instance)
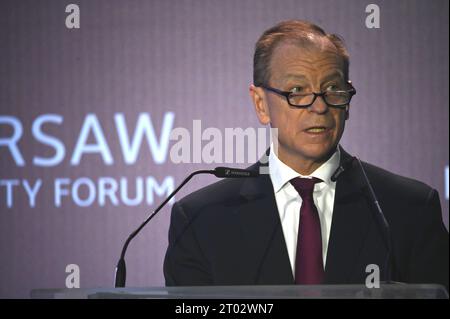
(383, 223)
(223, 172)
(121, 268)
(379, 215)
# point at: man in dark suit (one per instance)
(295, 224)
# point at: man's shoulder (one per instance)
(392, 184)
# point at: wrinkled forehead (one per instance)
(307, 54)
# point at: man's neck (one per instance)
(301, 165)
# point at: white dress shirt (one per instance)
(289, 201)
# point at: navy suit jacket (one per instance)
(229, 233)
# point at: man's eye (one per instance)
(296, 89)
(332, 87)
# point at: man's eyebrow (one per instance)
(291, 76)
(331, 76)
(295, 76)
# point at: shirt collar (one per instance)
(281, 174)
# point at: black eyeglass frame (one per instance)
(286, 94)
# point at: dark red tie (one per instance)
(308, 260)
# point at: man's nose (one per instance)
(319, 106)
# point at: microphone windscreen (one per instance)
(228, 172)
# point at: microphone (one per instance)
(234, 172)
(342, 168)
(382, 221)
(221, 172)
(380, 215)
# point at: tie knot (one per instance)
(305, 186)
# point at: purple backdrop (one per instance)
(191, 59)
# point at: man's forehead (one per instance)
(295, 61)
(311, 40)
(288, 52)
(332, 74)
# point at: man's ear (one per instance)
(259, 100)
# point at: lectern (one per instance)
(386, 291)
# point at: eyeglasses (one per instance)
(338, 98)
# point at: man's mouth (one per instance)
(316, 129)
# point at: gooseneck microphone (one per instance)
(382, 221)
(222, 172)
(342, 168)
(379, 215)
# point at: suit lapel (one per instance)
(349, 226)
(267, 256)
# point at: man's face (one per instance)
(309, 70)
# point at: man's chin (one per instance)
(316, 153)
